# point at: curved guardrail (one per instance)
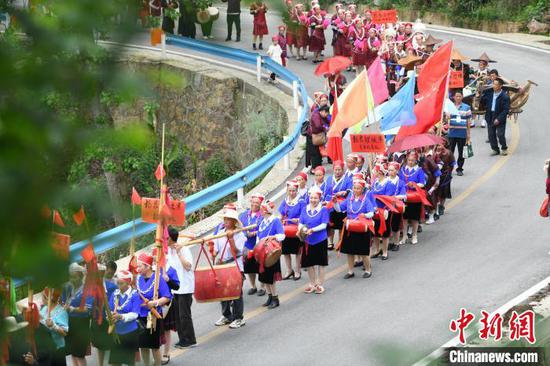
(112, 238)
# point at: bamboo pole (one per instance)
(160, 227)
(212, 237)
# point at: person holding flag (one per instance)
(337, 186)
(149, 339)
(125, 305)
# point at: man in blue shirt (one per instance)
(497, 106)
(459, 129)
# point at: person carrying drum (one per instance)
(226, 250)
(314, 219)
(290, 210)
(252, 216)
(359, 210)
(270, 228)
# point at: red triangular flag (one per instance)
(136, 199)
(435, 67)
(57, 219)
(427, 110)
(160, 173)
(79, 216)
(88, 253)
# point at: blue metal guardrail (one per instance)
(123, 233)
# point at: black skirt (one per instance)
(149, 338)
(99, 336)
(170, 321)
(337, 220)
(250, 265)
(412, 211)
(291, 245)
(271, 274)
(396, 219)
(78, 337)
(356, 243)
(315, 255)
(59, 357)
(125, 351)
(386, 233)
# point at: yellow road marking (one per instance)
(300, 290)
(492, 171)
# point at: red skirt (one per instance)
(302, 37)
(290, 38)
(260, 29)
(342, 47)
(358, 58)
(317, 42)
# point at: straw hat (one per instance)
(230, 212)
(409, 62)
(483, 57)
(432, 41)
(456, 55)
(11, 324)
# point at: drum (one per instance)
(218, 283)
(203, 16)
(214, 13)
(360, 225)
(267, 253)
(291, 231)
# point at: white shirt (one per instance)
(275, 52)
(219, 244)
(187, 278)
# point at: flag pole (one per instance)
(440, 129)
(160, 228)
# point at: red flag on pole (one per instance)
(57, 219)
(427, 110)
(435, 67)
(136, 199)
(160, 173)
(334, 144)
(88, 253)
(79, 216)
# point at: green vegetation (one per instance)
(476, 10)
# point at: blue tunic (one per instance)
(414, 174)
(356, 206)
(173, 277)
(127, 303)
(385, 189)
(311, 219)
(396, 187)
(248, 218)
(274, 227)
(334, 186)
(73, 297)
(145, 286)
(293, 211)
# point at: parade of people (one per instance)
(374, 182)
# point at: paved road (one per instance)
(490, 246)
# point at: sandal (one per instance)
(330, 247)
(296, 278)
(309, 289)
(319, 290)
(165, 359)
(289, 276)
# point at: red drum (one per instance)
(291, 231)
(360, 225)
(267, 253)
(218, 283)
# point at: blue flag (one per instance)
(399, 110)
